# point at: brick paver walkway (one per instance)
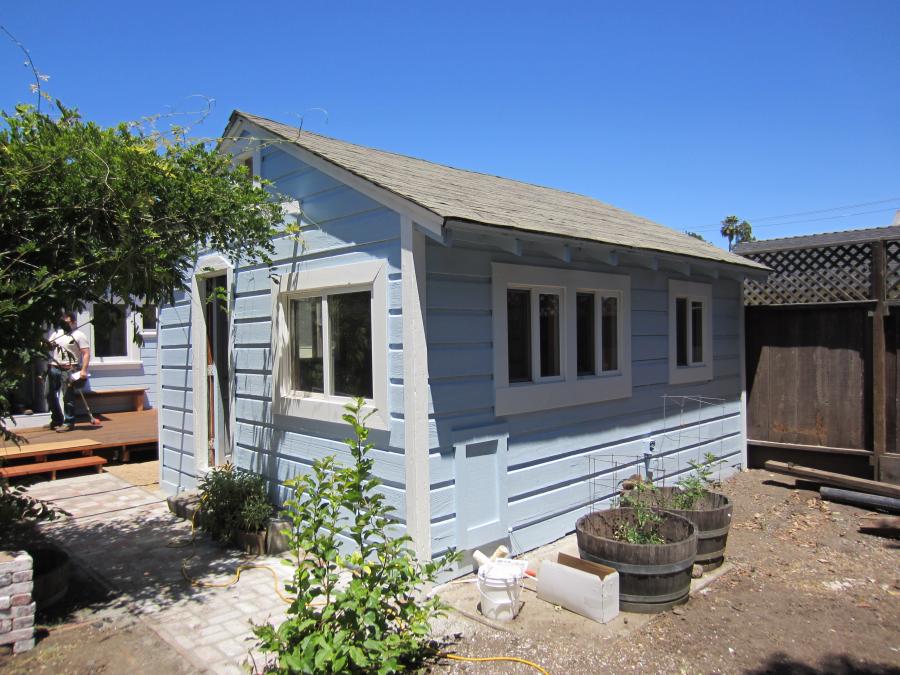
(119, 532)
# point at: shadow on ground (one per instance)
(139, 559)
(833, 664)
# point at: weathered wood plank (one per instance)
(863, 485)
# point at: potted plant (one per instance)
(693, 498)
(234, 507)
(652, 550)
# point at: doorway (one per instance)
(218, 390)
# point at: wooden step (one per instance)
(52, 467)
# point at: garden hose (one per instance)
(481, 659)
(237, 573)
(249, 566)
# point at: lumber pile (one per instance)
(872, 494)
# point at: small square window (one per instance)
(329, 339)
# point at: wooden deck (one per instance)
(122, 430)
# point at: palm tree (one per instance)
(736, 231)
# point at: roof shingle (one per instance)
(457, 194)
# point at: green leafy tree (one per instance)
(360, 610)
(695, 235)
(736, 231)
(88, 212)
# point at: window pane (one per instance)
(148, 317)
(681, 328)
(518, 332)
(306, 341)
(350, 323)
(586, 334)
(610, 338)
(549, 327)
(110, 330)
(697, 332)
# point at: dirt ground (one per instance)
(141, 471)
(808, 594)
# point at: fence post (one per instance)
(879, 383)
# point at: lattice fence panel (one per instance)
(813, 276)
(892, 274)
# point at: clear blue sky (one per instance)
(683, 112)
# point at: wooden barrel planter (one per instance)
(711, 517)
(652, 577)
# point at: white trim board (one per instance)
(207, 266)
(415, 389)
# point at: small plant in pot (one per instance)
(653, 551)
(693, 498)
(234, 507)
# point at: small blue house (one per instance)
(507, 336)
(123, 358)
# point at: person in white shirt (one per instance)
(70, 355)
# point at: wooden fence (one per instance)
(823, 373)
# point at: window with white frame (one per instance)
(330, 343)
(690, 332)
(561, 337)
(111, 329)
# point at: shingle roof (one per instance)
(457, 194)
(819, 240)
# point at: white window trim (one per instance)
(151, 333)
(695, 372)
(344, 278)
(256, 155)
(132, 357)
(569, 389)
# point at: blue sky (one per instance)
(683, 112)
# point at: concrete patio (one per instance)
(121, 534)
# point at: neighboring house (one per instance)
(823, 335)
(118, 361)
(504, 333)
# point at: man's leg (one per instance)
(54, 383)
(69, 402)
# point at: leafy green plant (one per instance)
(20, 511)
(89, 212)
(233, 500)
(358, 608)
(691, 488)
(644, 529)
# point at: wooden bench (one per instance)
(135, 393)
(40, 451)
(52, 467)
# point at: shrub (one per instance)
(233, 500)
(19, 512)
(358, 610)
